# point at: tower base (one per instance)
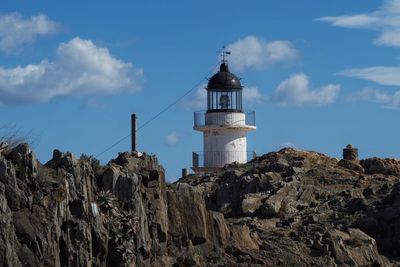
(205, 169)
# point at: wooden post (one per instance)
(134, 131)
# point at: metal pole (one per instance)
(134, 130)
(184, 172)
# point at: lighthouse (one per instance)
(225, 124)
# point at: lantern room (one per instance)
(224, 91)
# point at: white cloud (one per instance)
(16, 31)
(296, 91)
(380, 74)
(385, 20)
(378, 96)
(254, 52)
(80, 68)
(252, 95)
(352, 21)
(171, 139)
(198, 100)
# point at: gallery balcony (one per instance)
(204, 121)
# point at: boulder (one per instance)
(189, 219)
(381, 166)
(351, 165)
(355, 248)
(251, 203)
(240, 238)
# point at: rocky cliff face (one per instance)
(286, 208)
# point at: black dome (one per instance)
(224, 80)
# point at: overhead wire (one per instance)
(159, 113)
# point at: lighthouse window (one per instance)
(234, 104)
(224, 101)
(210, 101)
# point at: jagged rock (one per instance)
(25, 160)
(351, 165)
(285, 208)
(354, 248)
(109, 178)
(189, 220)
(8, 241)
(8, 177)
(240, 238)
(7, 173)
(251, 203)
(381, 166)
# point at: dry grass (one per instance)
(11, 137)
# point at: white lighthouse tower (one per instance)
(224, 125)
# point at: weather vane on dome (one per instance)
(224, 53)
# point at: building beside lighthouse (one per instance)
(225, 124)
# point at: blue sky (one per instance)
(319, 74)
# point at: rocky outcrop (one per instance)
(285, 208)
(381, 166)
(308, 209)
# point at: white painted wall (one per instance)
(224, 146)
(225, 139)
(225, 118)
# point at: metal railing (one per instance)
(220, 158)
(225, 118)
